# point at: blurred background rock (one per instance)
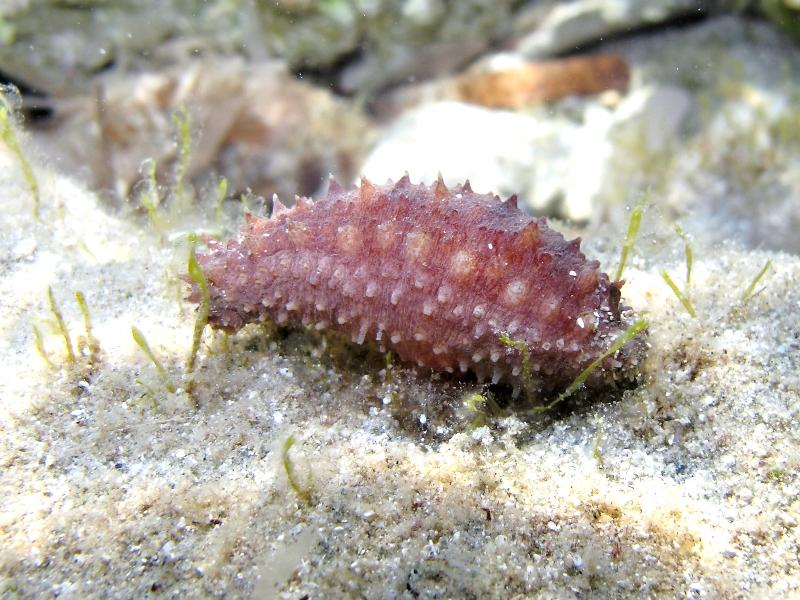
(578, 106)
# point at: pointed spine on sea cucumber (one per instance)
(301, 204)
(440, 191)
(278, 207)
(367, 191)
(333, 186)
(403, 183)
(529, 236)
(575, 246)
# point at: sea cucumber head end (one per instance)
(626, 364)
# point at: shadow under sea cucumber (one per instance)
(435, 275)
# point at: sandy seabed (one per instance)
(686, 486)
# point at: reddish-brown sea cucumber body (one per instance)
(433, 274)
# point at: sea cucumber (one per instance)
(435, 275)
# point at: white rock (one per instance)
(498, 151)
(460, 141)
(588, 164)
(656, 113)
(649, 119)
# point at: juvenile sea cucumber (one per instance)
(436, 275)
